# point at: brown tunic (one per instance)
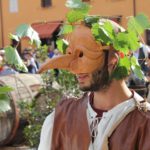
(71, 131)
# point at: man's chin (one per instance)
(85, 88)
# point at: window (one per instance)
(46, 3)
(13, 6)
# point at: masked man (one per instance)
(109, 116)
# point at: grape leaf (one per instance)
(138, 72)
(4, 105)
(77, 4)
(138, 24)
(133, 41)
(25, 30)
(66, 29)
(4, 99)
(126, 41)
(136, 68)
(120, 42)
(5, 89)
(13, 58)
(125, 62)
(62, 45)
(100, 34)
(89, 20)
(75, 15)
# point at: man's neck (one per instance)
(115, 94)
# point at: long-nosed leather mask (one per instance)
(83, 55)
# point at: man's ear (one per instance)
(113, 60)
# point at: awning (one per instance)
(46, 29)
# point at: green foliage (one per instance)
(103, 33)
(4, 98)
(66, 29)
(75, 15)
(42, 53)
(78, 10)
(138, 24)
(62, 45)
(120, 72)
(44, 103)
(15, 37)
(126, 41)
(14, 60)
(32, 133)
(136, 68)
(89, 20)
(125, 62)
(25, 30)
(68, 84)
(77, 4)
(35, 117)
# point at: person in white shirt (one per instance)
(109, 116)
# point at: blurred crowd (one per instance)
(30, 58)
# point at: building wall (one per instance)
(1, 42)
(30, 11)
(113, 8)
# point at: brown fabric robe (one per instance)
(71, 131)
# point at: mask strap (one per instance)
(106, 57)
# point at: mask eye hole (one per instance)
(81, 54)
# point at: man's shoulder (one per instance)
(139, 115)
(71, 102)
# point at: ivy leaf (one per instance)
(77, 4)
(5, 89)
(78, 12)
(4, 99)
(120, 42)
(126, 41)
(138, 24)
(125, 62)
(13, 58)
(75, 15)
(136, 68)
(4, 105)
(25, 30)
(109, 30)
(120, 72)
(134, 61)
(138, 72)
(89, 20)
(100, 34)
(133, 41)
(62, 45)
(66, 29)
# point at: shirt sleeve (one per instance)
(46, 132)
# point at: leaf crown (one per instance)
(125, 42)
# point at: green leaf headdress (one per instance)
(125, 42)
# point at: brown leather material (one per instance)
(71, 131)
(133, 133)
